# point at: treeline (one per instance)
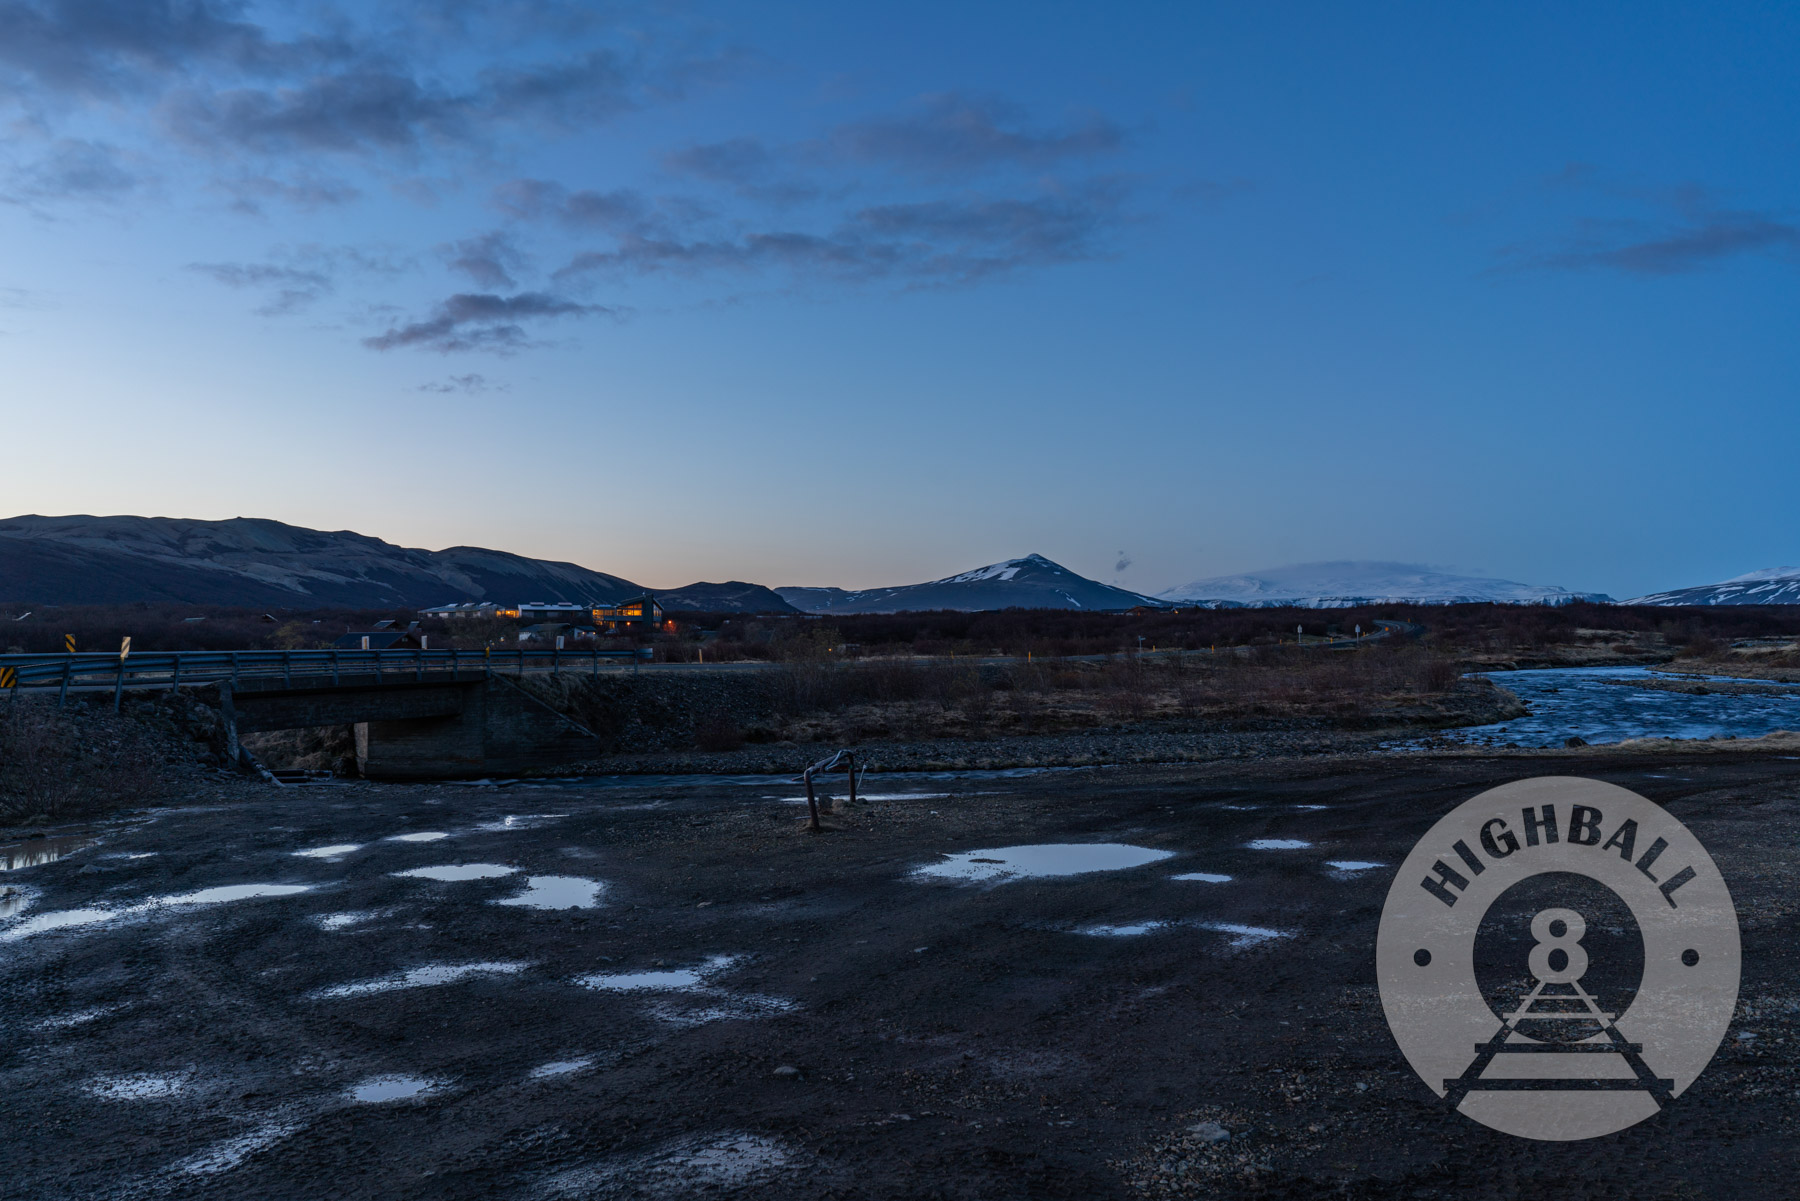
(1049, 633)
(183, 627)
(1055, 632)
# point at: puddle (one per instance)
(34, 852)
(519, 821)
(1598, 705)
(1122, 931)
(231, 892)
(459, 871)
(144, 1086)
(1041, 860)
(226, 1155)
(1278, 844)
(684, 1168)
(700, 1006)
(420, 836)
(666, 981)
(419, 977)
(1352, 865)
(343, 921)
(330, 852)
(59, 920)
(14, 901)
(560, 1067)
(1246, 936)
(841, 792)
(1203, 877)
(557, 892)
(206, 896)
(377, 1089)
(80, 1017)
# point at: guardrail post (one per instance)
(62, 697)
(334, 667)
(234, 669)
(175, 683)
(228, 716)
(287, 670)
(419, 664)
(119, 685)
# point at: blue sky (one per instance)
(860, 295)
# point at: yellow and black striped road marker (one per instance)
(9, 678)
(69, 643)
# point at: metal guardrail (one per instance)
(172, 669)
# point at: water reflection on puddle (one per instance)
(343, 921)
(144, 1086)
(420, 836)
(519, 821)
(1278, 844)
(841, 791)
(560, 1067)
(335, 852)
(35, 851)
(1246, 936)
(557, 892)
(1041, 860)
(459, 871)
(667, 981)
(226, 1155)
(419, 977)
(1122, 931)
(1351, 866)
(377, 1089)
(206, 896)
(231, 892)
(13, 902)
(1203, 877)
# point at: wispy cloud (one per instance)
(1688, 229)
(490, 259)
(289, 288)
(295, 278)
(483, 321)
(940, 241)
(465, 384)
(74, 169)
(1690, 245)
(958, 132)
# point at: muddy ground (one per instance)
(811, 1019)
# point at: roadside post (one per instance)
(119, 681)
(9, 680)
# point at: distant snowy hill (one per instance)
(1770, 586)
(1033, 582)
(1344, 584)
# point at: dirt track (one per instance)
(946, 1039)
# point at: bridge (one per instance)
(172, 669)
(417, 714)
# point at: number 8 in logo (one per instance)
(1558, 933)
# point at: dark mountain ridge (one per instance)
(254, 561)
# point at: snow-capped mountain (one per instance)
(1033, 582)
(1344, 584)
(1770, 586)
